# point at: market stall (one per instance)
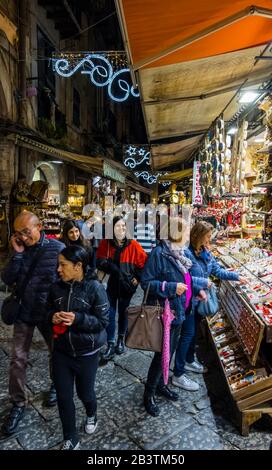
(241, 331)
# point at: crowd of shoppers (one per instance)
(66, 300)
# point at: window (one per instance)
(76, 108)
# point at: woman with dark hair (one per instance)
(78, 310)
(71, 235)
(123, 260)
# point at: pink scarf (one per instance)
(188, 292)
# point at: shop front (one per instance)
(56, 184)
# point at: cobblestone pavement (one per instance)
(199, 420)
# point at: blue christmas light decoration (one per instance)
(139, 156)
(151, 179)
(136, 156)
(101, 73)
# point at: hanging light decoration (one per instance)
(105, 69)
(135, 155)
(139, 156)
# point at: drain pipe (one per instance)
(23, 8)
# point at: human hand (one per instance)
(243, 280)
(67, 318)
(209, 284)
(17, 244)
(56, 319)
(181, 288)
(202, 296)
(134, 282)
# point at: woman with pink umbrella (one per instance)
(167, 273)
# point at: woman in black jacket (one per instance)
(78, 308)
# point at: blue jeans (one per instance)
(186, 346)
(123, 303)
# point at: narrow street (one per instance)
(189, 424)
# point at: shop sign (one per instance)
(112, 173)
(197, 196)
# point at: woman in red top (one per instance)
(123, 260)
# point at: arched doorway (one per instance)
(48, 172)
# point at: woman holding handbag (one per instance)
(167, 275)
(123, 260)
(204, 265)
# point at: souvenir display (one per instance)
(239, 371)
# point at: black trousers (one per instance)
(68, 370)
(154, 377)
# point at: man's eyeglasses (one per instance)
(26, 232)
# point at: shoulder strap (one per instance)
(30, 270)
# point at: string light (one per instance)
(151, 179)
(142, 153)
(136, 155)
(101, 70)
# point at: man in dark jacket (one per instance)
(29, 242)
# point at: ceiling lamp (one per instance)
(232, 131)
(248, 97)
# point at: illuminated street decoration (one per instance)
(139, 156)
(101, 74)
(151, 179)
(136, 156)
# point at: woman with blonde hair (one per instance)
(204, 265)
(167, 274)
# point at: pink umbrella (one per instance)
(167, 318)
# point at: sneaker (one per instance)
(13, 419)
(195, 367)
(68, 445)
(185, 382)
(91, 424)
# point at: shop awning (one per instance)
(190, 58)
(170, 154)
(139, 187)
(177, 175)
(163, 33)
(84, 162)
(9, 28)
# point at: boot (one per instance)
(120, 347)
(13, 419)
(52, 397)
(151, 405)
(109, 353)
(165, 392)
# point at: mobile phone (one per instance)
(19, 242)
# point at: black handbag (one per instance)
(10, 310)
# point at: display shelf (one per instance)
(249, 386)
(47, 212)
(252, 231)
